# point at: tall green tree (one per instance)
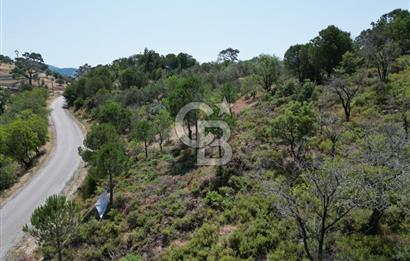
(297, 60)
(131, 77)
(330, 46)
(110, 160)
(293, 126)
(186, 61)
(28, 66)
(228, 55)
(101, 134)
(171, 62)
(21, 141)
(184, 90)
(268, 70)
(53, 223)
(114, 113)
(144, 132)
(162, 124)
(385, 41)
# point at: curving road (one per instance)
(50, 179)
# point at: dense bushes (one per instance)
(24, 130)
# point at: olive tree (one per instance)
(318, 200)
(346, 90)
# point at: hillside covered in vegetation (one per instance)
(320, 144)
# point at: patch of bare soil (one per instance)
(227, 229)
(243, 103)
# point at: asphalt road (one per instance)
(51, 178)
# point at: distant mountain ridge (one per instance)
(69, 72)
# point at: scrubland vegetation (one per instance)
(320, 167)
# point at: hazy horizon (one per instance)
(97, 32)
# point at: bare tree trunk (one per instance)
(111, 190)
(372, 226)
(146, 149)
(333, 150)
(189, 131)
(60, 255)
(304, 237)
(160, 141)
(405, 125)
(322, 235)
(196, 135)
(346, 109)
(220, 148)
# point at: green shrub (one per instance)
(8, 169)
(213, 199)
(131, 257)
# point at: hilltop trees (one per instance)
(329, 48)
(228, 55)
(185, 61)
(28, 66)
(4, 59)
(4, 99)
(322, 54)
(52, 224)
(82, 70)
(131, 77)
(385, 41)
(297, 61)
(379, 53)
(81, 91)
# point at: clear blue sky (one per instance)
(71, 33)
